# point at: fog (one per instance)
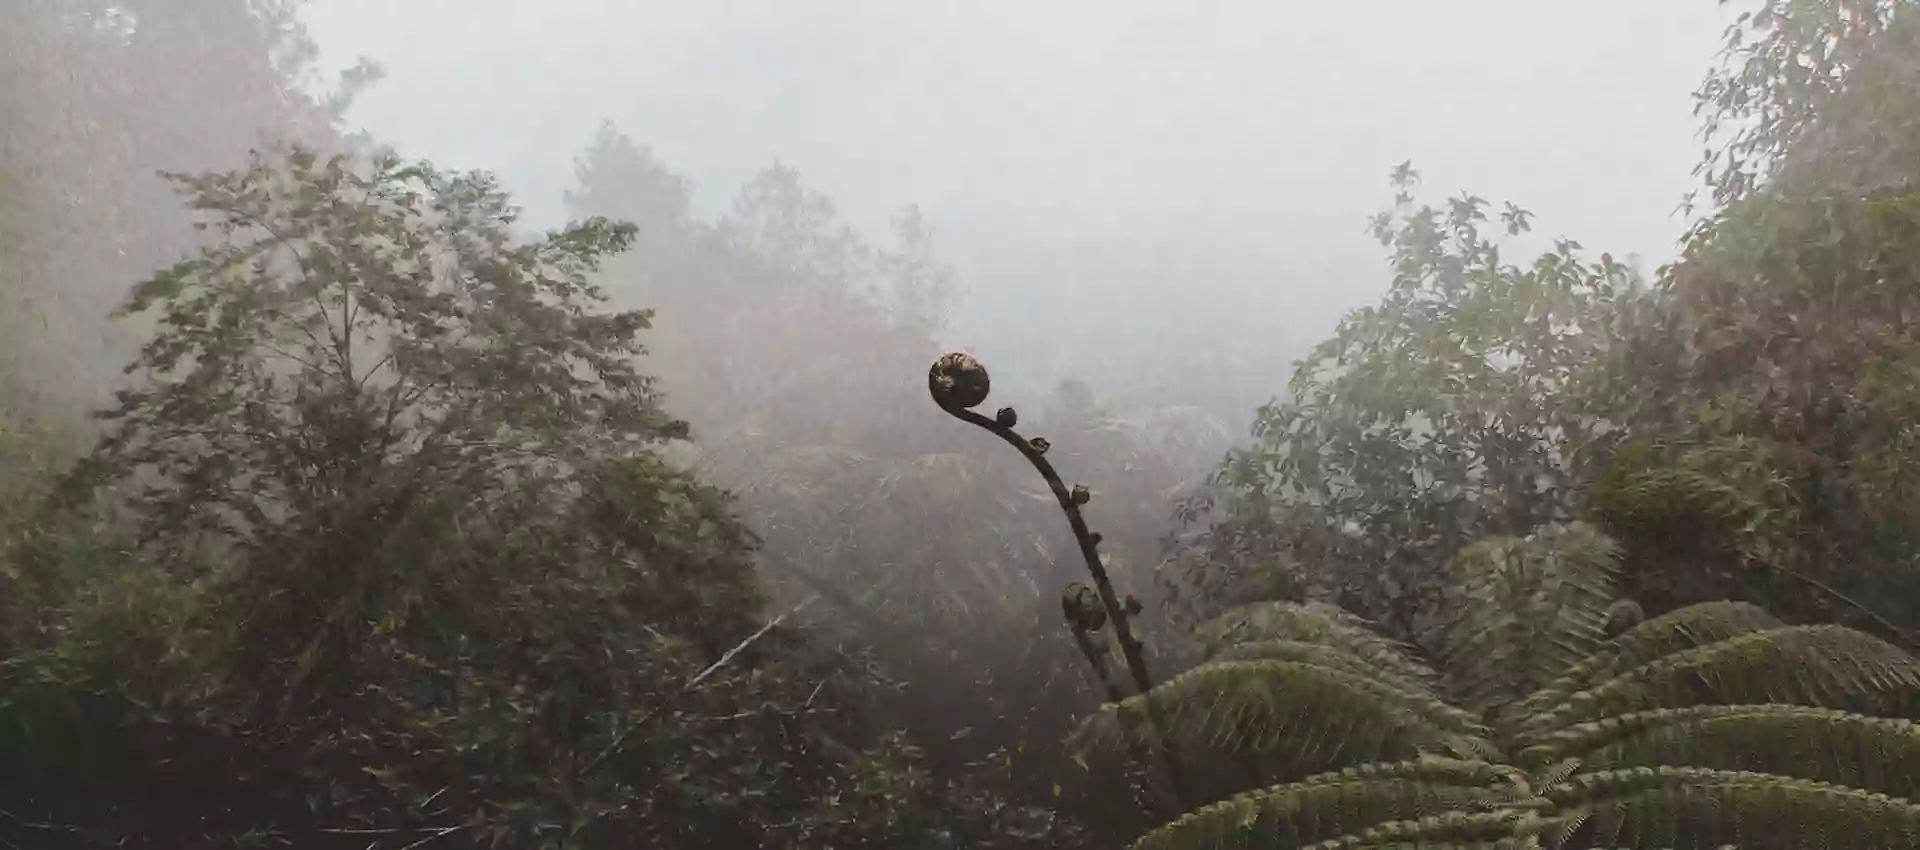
(578, 477)
(1122, 185)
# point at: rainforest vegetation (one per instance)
(340, 508)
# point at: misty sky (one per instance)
(1165, 174)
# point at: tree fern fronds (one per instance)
(1549, 773)
(1496, 844)
(1330, 806)
(1661, 496)
(1695, 807)
(1311, 622)
(1324, 655)
(1870, 753)
(1584, 739)
(1298, 717)
(1828, 666)
(1430, 769)
(1681, 629)
(1504, 828)
(1522, 610)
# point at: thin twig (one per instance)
(614, 745)
(748, 642)
(441, 834)
(1116, 614)
(348, 830)
(1900, 634)
(34, 825)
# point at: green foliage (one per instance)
(355, 332)
(1708, 726)
(1789, 480)
(1810, 92)
(1741, 423)
(1316, 623)
(389, 547)
(1676, 631)
(1741, 427)
(1876, 754)
(1454, 410)
(1521, 610)
(1329, 806)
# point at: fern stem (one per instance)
(1906, 639)
(1130, 646)
(1097, 662)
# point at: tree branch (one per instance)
(728, 656)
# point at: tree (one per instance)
(1810, 95)
(354, 328)
(1789, 480)
(1458, 408)
(1713, 724)
(389, 548)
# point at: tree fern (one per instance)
(1523, 610)
(1870, 753)
(1323, 655)
(1684, 628)
(1712, 726)
(1316, 623)
(1698, 807)
(1297, 717)
(1334, 805)
(1826, 666)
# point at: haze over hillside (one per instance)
(1186, 180)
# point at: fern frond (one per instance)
(1823, 744)
(1677, 630)
(1508, 843)
(1297, 717)
(1522, 610)
(1825, 666)
(1323, 655)
(1657, 498)
(1312, 622)
(1696, 807)
(1504, 828)
(1710, 728)
(1426, 769)
(1333, 805)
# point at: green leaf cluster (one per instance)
(1713, 725)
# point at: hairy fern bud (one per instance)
(1082, 607)
(958, 381)
(1622, 615)
(1007, 418)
